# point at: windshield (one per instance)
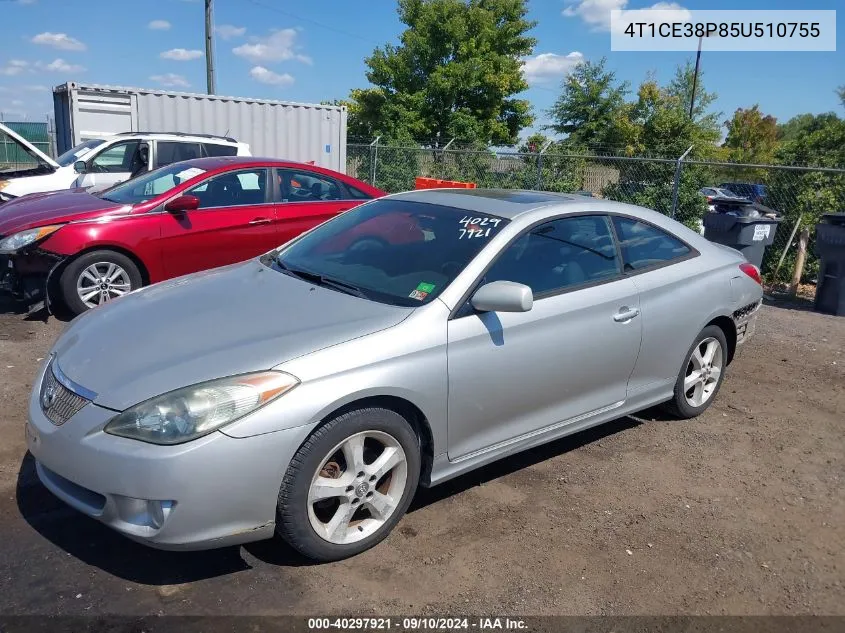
(392, 251)
(150, 185)
(76, 153)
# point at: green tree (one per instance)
(455, 74)
(591, 109)
(752, 137)
(811, 140)
(840, 91)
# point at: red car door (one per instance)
(307, 199)
(236, 220)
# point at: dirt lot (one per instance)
(740, 512)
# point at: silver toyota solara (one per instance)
(308, 392)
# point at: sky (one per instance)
(314, 51)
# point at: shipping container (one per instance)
(277, 129)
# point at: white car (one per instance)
(99, 163)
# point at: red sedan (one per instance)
(85, 249)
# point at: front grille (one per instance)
(58, 402)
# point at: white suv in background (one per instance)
(99, 163)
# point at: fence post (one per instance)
(800, 259)
(442, 170)
(678, 180)
(540, 165)
(373, 160)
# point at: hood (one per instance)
(28, 147)
(226, 321)
(38, 209)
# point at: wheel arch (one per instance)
(142, 267)
(402, 406)
(727, 325)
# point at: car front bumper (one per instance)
(25, 276)
(212, 492)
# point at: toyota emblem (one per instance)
(48, 396)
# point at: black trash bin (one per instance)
(746, 226)
(830, 248)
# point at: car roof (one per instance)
(177, 136)
(222, 162)
(506, 203)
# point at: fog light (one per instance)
(149, 513)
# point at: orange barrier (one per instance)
(436, 183)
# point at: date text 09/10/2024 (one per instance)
(416, 624)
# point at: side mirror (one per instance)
(503, 296)
(80, 166)
(182, 204)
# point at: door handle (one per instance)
(625, 314)
(260, 221)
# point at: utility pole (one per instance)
(209, 47)
(695, 77)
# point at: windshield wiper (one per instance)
(322, 280)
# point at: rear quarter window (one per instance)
(644, 245)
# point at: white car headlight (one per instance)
(17, 241)
(191, 412)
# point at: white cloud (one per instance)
(14, 67)
(26, 1)
(549, 66)
(60, 66)
(61, 41)
(276, 47)
(228, 32)
(171, 80)
(181, 54)
(265, 76)
(596, 13)
(16, 102)
(159, 25)
(35, 88)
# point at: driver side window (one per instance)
(115, 159)
(558, 255)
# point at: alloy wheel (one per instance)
(703, 372)
(101, 282)
(357, 487)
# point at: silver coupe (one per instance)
(308, 392)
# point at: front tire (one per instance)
(349, 484)
(97, 277)
(701, 375)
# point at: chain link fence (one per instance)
(800, 195)
(39, 133)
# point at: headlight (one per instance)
(17, 241)
(186, 414)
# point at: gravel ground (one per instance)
(738, 512)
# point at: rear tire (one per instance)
(701, 375)
(349, 484)
(97, 277)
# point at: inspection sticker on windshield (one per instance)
(475, 226)
(187, 174)
(422, 291)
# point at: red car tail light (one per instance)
(752, 271)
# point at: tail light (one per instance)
(752, 271)
(709, 198)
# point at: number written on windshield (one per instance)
(474, 226)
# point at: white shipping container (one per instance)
(277, 129)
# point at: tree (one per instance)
(591, 109)
(659, 124)
(840, 91)
(811, 140)
(454, 74)
(681, 87)
(752, 137)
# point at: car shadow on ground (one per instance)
(99, 546)
(11, 307)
